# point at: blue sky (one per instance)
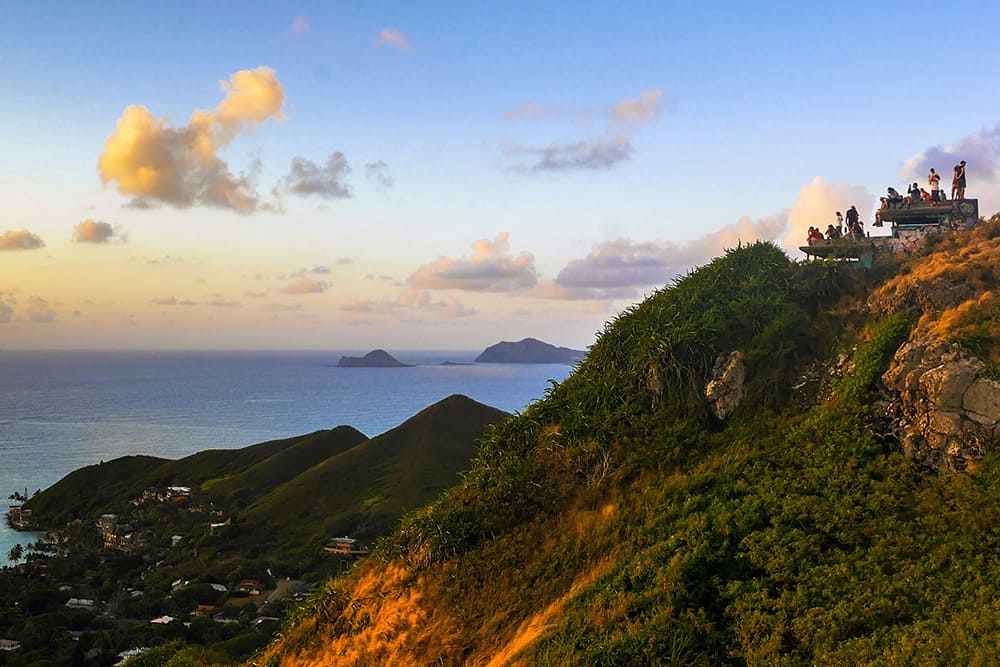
(589, 152)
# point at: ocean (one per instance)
(60, 411)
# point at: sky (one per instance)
(398, 175)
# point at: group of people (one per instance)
(916, 194)
(855, 228)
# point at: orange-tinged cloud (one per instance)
(393, 38)
(154, 162)
(818, 204)
(491, 269)
(20, 240)
(304, 285)
(93, 231)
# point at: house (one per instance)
(131, 653)
(163, 620)
(9, 645)
(116, 535)
(175, 540)
(178, 583)
(203, 610)
(214, 528)
(345, 545)
(18, 517)
(249, 586)
(80, 603)
(219, 588)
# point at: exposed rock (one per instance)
(724, 390)
(982, 401)
(931, 295)
(944, 412)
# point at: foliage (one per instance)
(616, 522)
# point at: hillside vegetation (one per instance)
(618, 521)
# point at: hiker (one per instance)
(840, 223)
(856, 229)
(814, 235)
(960, 177)
(894, 198)
(852, 217)
(913, 194)
(934, 179)
(954, 180)
(833, 232)
(926, 196)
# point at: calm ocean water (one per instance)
(63, 410)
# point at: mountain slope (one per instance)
(90, 491)
(364, 489)
(305, 452)
(619, 522)
(529, 351)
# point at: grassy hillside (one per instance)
(246, 483)
(618, 522)
(363, 490)
(91, 491)
(88, 492)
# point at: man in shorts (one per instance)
(935, 182)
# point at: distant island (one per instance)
(529, 351)
(374, 359)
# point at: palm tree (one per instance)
(16, 552)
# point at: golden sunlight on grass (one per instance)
(535, 627)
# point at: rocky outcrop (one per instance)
(945, 410)
(724, 390)
(529, 351)
(934, 295)
(374, 359)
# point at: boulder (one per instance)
(945, 414)
(724, 390)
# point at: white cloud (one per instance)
(490, 269)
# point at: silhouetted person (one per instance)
(960, 177)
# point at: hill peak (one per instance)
(529, 351)
(374, 359)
